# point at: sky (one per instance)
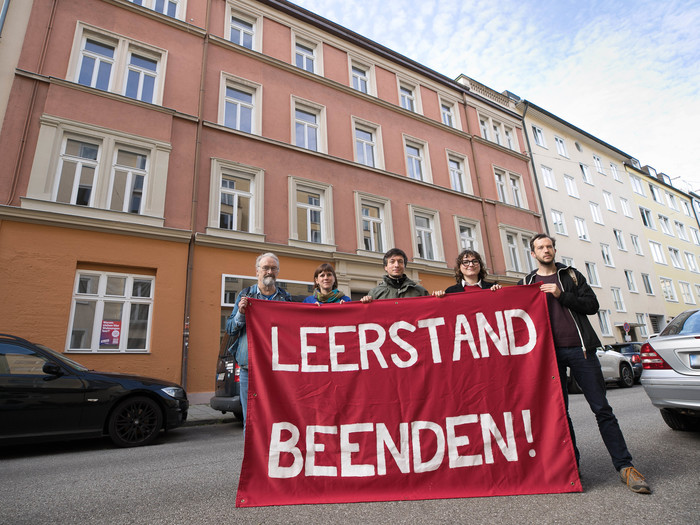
(625, 71)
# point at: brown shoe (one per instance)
(634, 480)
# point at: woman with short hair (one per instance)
(326, 287)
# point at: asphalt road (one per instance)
(190, 476)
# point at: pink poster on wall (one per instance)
(111, 332)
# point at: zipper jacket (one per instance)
(578, 298)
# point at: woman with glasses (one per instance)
(326, 287)
(470, 271)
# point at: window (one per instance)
(111, 312)
(408, 96)
(637, 185)
(567, 261)
(647, 219)
(571, 187)
(581, 229)
(686, 293)
(596, 213)
(239, 106)
(236, 201)
(607, 255)
(447, 113)
(609, 201)
(508, 188)
(604, 321)
(305, 56)
(309, 125)
(496, 131)
(592, 273)
(668, 290)
(514, 253)
(676, 258)
(631, 283)
(368, 143)
(96, 170)
(374, 232)
(417, 164)
(598, 164)
(686, 208)
(585, 174)
(665, 225)
(672, 201)
(538, 136)
(561, 146)
(548, 177)
(457, 175)
(167, 7)
(655, 193)
(558, 222)
(636, 244)
(311, 219)
(680, 230)
(626, 209)
(467, 234)
(615, 173)
(657, 252)
(517, 250)
(618, 300)
(425, 226)
(484, 127)
(692, 264)
(360, 78)
(113, 63)
(646, 280)
(243, 29)
(695, 235)
(642, 322)
(529, 261)
(620, 239)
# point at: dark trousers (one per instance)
(586, 370)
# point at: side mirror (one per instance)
(51, 369)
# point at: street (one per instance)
(191, 474)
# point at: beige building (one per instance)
(589, 208)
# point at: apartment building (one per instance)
(673, 237)
(589, 207)
(152, 149)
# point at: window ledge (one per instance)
(237, 235)
(316, 246)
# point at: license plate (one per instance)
(694, 361)
(220, 377)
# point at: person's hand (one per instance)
(551, 288)
(243, 305)
(438, 293)
(496, 287)
(366, 299)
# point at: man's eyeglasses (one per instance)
(269, 268)
(470, 262)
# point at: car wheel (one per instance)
(677, 421)
(135, 421)
(626, 376)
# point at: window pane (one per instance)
(111, 326)
(83, 319)
(88, 284)
(141, 288)
(115, 286)
(138, 327)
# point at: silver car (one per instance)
(671, 376)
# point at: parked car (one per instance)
(631, 349)
(227, 387)
(617, 368)
(671, 375)
(46, 396)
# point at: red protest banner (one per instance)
(404, 399)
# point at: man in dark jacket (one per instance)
(570, 301)
(395, 283)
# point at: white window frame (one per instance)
(538, 136)
(596, 214)
(620, 240)
(626, 208)
(433, 217)
(558, 222)
(325, 208)
(609, 201)
(668, 290)
(631, 282)
(460, 179)
(676, 259)
(180, 7)
(665, 224)
(636, 244)
(642, 322)
(647, 218)
(249, 16)
(672, 201)
(618, 300)
(646, 281)
(312, 108)
(449, 112)
(363, 199)
(124, 48)
(368, 76)
(604, 323)
(606, 254)
(571, 187)
(680, 230)
(615, 173)
(246, 86)
(377, 146)
(466, 241)
(657, 252)
(102, 296)
(311, 52)
(686, 208)
(409, 94)
(581, 229)
(695, 235)
(656, 193)
(509, 186)
(585, 174)
(691, 262)
(256, 215)
(561, 146)
(592, 273)
(637, 186)
(548, 177)
(686, 292)
(598, 164)
(421, 159)
(514, 251)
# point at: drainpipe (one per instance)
(3, 15)
(193, 210)
(534, 170)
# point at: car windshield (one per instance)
(684, 324)
(63, 358)
(624, 348)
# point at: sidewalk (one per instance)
(205, 415)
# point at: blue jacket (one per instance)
(235, 325)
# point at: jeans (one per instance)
(586, 370)
(243, 386)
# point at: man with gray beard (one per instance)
(267, 266)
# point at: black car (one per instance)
(46, 396)
(631, 350)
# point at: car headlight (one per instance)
(174, 391)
